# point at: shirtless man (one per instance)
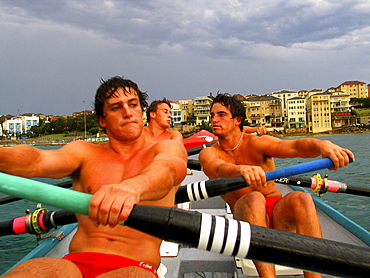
(129, 169)
(262, 204)
(158, 116)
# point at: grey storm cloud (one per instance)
(55, 52)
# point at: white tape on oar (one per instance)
(219, 234)
(205, 231)
(245, 240)
(196, 191)
(204, 189)
(231, 237)
(190, 193)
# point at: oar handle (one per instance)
(45, 193)
(206, 189)
(212, 233)
(9, 199)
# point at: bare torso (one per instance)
(105, 166)
(162, 134)
(245, 154)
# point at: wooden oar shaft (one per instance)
(212, 233)
(206, 189)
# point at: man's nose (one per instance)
(126, 112)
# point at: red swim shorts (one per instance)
(92, 264)
(270, 204)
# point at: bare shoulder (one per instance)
(208, 153)
(81, 146)
(169, 144)
(176, 135)
(264, 139)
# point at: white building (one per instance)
(28, 122)
(175, 114)
(284, 95)
(296, 113)
(19, 125)
(12, 126)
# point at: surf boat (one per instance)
(204, 240)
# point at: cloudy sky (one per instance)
(53, 53)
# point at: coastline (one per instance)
(96, 140)
(342, 130)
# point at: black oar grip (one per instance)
(205, 189)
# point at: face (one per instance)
(123, 115)
(163, 115)
(221, 119)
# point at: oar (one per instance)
(197, 150)
(213, 233)
(194, 164)
(206, 189)
(9, 199)
(39, 222)
(317, 184)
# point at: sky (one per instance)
(53, 54)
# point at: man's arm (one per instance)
(305, 148)
(215, 167)
(112, 203)
(261, 130)
(26, 161)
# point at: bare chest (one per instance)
(101, 170)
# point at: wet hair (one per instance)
(108, 89)
(154, 106)
(235, 106)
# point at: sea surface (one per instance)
(356, 208)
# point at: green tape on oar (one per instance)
(45, 193)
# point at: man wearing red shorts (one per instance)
(239, 154)
(129, 169)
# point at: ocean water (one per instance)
(356, 208)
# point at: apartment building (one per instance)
(355, 89)
(340, 110)
(296, 113)
(201, 107)
(186, 107)
(175, 113)
(12, 126)
(19, 125)
(28, 122)
(264, 111)
(284, 95)
(318, 111)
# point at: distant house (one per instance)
(86, 112)
(355, 89)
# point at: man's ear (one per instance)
(238, 120)
(152, 115)
(101, 122)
